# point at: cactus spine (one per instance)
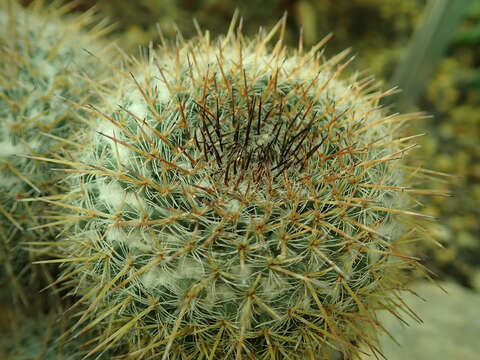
(242, 202)
(42, 64)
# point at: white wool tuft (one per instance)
(9, 149)
(116, 234)
(111, 193)
(156, 277)
(138, 107)
(190, 269)
(107, 128)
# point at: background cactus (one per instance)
(39, 335)
(42, 63)
(243, 202)
(35, 337)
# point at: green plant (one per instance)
(426, 49)
(242, 202)
(41, 64)
(34, 335)
(452, 97)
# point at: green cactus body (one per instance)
(35, 336)
(42, 63)
(241, 203)
(30, 339)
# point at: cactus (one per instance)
(34, 338)
(242, 201)
(41, 62)
(38, 336)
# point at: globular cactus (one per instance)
(242, 202)
(42, 63)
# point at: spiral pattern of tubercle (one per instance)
(242, 202)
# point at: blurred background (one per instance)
(428, 48)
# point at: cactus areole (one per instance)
(240, 201)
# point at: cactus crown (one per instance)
(243, 202)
